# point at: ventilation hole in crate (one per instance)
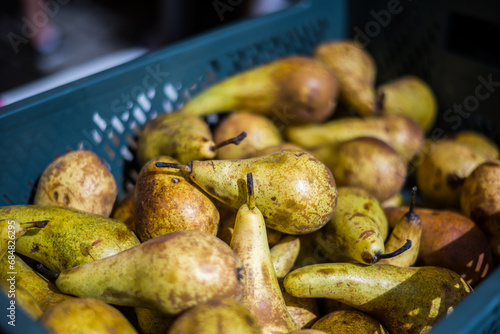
(131, 142)
(135, 128)
(144, 102)
(126, 154)
(106, 163)
(167, 106)
(117, 124)
(109, 151)
(210, 76)
(139, 115)
(212, 119)
(170, 92)
(129, 186)
(154, 114)
(151, 93)
(193, 87)
(133, 175)
(99, 121)
(185, 95)
(96, 136)
(113, 138)
(125, 116)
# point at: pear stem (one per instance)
(172, 165)
(40, 224)
(411, 211)
(403, 249)
(236, 141)
(251, 197)
(49, 274)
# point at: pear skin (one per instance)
(78, 180)
(43, 291)
(178, 135)
(152, 321)
(169, 273)
(409, 227)
(304, 311)
(411, 96)
(355, 69)
(450, 240)
(71, 237)
(403, 299)
(284, 254)
(124, 210)
(349, 322)
(165, 201)
(296, 192)
(293, 89)
(262, 290)
(400, 132)
(22, 298)
(11, 230)
(216, 316)
(261, 133)
(357, 230)
(479, 142)
(86, 315)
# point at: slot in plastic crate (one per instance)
(104, 113)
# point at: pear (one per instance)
(480, 195)
(450, 240)
(45, 293)
(262, 294)
(356, 71)
(216, 316)
(290, 90)
(78, 180)
(71, 238)
(152, 321)
(85, 315)
(411, 96)
(403, 299)
(396, 200)
(169, 273)
(308, 331)
(296, 193)
(409, 227)
(261, 133)
(479, 142)
(271, 149)
(441, 170)
(304, 311)
(400, 132)
(181, 136)
(165, 201)
(124, 210)
(11, 230)
(22, 299)
(366, 163)
(357, 230)
(349, 322)
(284, 254)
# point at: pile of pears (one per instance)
(317, 204)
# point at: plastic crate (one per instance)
(104, 113)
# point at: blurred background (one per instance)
(62, 40)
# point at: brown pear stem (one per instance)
(46, 272)
(251, 197)
(39, 223)
(236, 141)
(379, 103)
(411, 211)
(403, 249)
(172, 165)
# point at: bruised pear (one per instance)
(292, 89)
(78, 180)
(356, 71)
(165, 201)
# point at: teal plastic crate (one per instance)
(104, 113)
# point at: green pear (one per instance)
(349, 322)
(283, 255)
(356, 71)
(367, 163)
(11, 230)
(409, 227)
(400, 132)
(304, 311)
(124, 210)
(290, 89)
(357, 230)
(411, 96)
(22, 299)
(296, 193)
(43, 291)
(261, 133)
(216, 316)
(262, 294)
(85, 315)
(78, 180)
(71, 238)
(165, 201)
(480, 142)
(442, 169)
(169, 273)
(153, 321)
(404, 299)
